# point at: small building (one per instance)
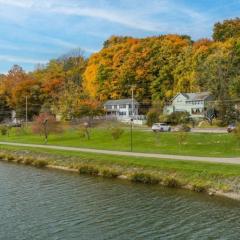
(122, 108)
(193, 103)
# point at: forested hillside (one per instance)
(158, 67)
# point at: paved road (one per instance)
(131, 154)
(209, 130)
(195, 130)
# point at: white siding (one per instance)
(181, 104)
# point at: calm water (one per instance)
(42, 204)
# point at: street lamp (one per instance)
(131, 134)
(45, 130)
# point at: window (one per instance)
(122, 113)
(196, 111)
(130, 105)
(122, 106)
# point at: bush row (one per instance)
(137, 176)
(40, 163)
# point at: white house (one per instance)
(122, 108)
(193, 103)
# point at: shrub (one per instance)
(178, 118)
(85, 169)
(2, 156)
(21, 131)
(181, 137)
(163, 118)
(218, 122)
(3, 130)
(19, 160)
(10, 158)
(185, 128)
(145, 178)
(171, 182)
(199, 187)
(40, 163)
(110, 173)
(82, 132)
(237, 133)
(28, 161)
(152, 117)
(203, 124)
(116, 132)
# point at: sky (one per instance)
(34, 31)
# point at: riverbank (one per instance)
(210, 178)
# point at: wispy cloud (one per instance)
(34, 29)
(110, 16)
(16, 59)
(127, 17)
(65, 45)
(16, 3)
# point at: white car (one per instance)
(161, 127)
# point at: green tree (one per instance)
(152, 117)
(178, 118)
(219, 71)
(226, 29)
(5, 110)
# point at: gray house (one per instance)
(193, 103)
(122, 108)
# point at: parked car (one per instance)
(161, 127)
(231, 128)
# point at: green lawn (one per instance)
(216, 176)
(196, 144)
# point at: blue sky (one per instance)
(34, 31)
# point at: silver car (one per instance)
(161, 127)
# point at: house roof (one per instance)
(120, 101)
(195, 96)
(198, 96)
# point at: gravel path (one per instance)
(130, 154)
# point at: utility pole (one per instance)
(132, 120)
(132, 103)
(26, 113)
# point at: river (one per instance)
(48, 204)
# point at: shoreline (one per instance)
(231, 195)
(139, 176)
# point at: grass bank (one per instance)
(211, 178)
(194, 144)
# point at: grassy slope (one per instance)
(217, 176)
(198, 144)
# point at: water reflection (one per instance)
(42, 204)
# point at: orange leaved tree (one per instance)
(45, 124)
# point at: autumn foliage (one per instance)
(158, 67)
(46, 124)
